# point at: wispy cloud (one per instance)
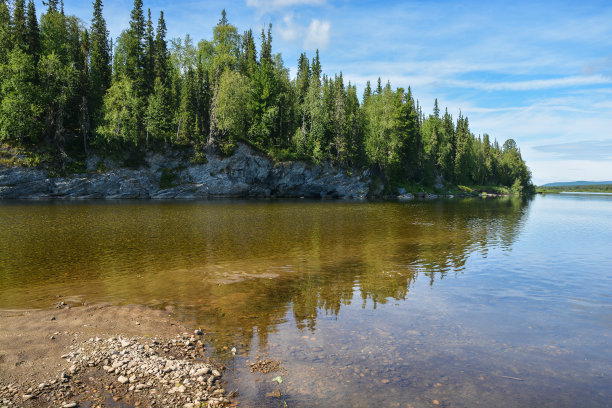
(289, 30)
(317, 35)
(603, 66)
(534, 84)
(268, 5)
(597, 150)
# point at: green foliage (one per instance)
(158, 117)
(100, 68)
(59, 82)
(226, 43)
(231, 109)
(122, 107)
(167, 179)
(20, 106)
(6, 38)
(57, 86)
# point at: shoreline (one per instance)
(245, 174)
(105, 355)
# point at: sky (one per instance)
(539, 72)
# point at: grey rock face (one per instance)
(245, 174)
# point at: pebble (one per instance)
(180, 375)
(198, 332)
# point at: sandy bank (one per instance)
(102, 355)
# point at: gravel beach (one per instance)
(105, 356)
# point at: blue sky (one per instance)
(537, 72)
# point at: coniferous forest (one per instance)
(71, 90)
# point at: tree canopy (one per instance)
(70, 88)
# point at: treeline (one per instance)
(71, 89)
(594, 188)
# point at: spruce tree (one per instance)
(83, 108)
(51, 6)
(134, 48)
(316, 67)
(248, 57)
(367, 92)
(32, 31)
(266, 46)
(303, 77)
(149, 56)
(19, 25)
(6, 40)
(158, 120)
(100, 67)
(161, 63)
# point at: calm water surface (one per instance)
(501, 302)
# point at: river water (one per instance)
(451, 303)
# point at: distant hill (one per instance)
(576, 183)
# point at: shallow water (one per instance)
(496, 302)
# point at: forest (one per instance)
(70, 90)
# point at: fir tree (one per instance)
(161, 63)
(303, 77)
(266, 46)
(100, 67)
(367, 92)
(19, 25)
(158, 119)
(52, 6)
(149, 56)
(248, 57)
(6, 40)
(316, 67)
(32, 31)
(134, 63)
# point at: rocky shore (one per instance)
(44, 360)
(247, 173)
(137, 370)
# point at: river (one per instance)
(455, 303)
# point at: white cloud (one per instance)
(289, 30)
(317, 35)
(533, 84)
(267, 5)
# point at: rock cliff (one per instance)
(245, 174)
